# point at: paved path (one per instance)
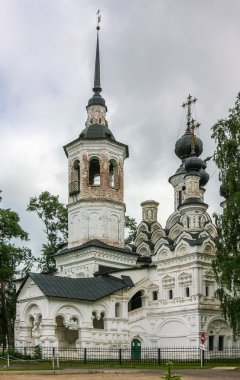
(121, 374)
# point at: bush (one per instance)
(169, 375)
(37, 352)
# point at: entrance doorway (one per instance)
(136, 349)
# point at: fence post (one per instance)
(8, 361)
(57, 357)
(85, 355)
(120, 355)
(53, 354)
(159, 356)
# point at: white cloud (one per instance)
(153, 54)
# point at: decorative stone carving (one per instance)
(96, 115)
(149, 211)
(192, 186)
(37, 330)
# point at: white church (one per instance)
(157, 292)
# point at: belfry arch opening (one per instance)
(136, 301)
(74, 185)
(113, 174)
(94, 172)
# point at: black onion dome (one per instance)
(183, 146)
(96, 131)
(204, 177)
(181, 170)
(193, 164)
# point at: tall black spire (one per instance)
(97, 82)
(97, 98)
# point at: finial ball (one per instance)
(98, 27)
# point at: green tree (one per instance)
(131, 228)
(14, 261)
(227, 263)
(54, 216)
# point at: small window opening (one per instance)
(112, 174)
(179, 197)
(188, 222)
(154, 295)
(206, 291)
(187, 291)
(220, 342)
(74, 185)
(199, 221)
(94, 172)
(170, 294)
(135, 302)
(117, 310)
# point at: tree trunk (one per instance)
(6, 322)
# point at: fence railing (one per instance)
(145, 355)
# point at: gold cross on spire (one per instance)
(188, 104)
(98, 18)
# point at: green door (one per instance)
(136, 349)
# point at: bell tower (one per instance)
(95, 182)
(190, 178)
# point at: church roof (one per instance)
(98, 244)
(84, 289)
(96, 132)
(79, 139)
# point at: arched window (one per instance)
(135, 302)
(74, 185)
(94, 172)
(113, 174)
(117, 310)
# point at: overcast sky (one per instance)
(153, 54)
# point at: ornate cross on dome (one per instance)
(188, 104)
(191, 123)
(193, 126)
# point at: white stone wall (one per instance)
(96, 219)
(77, 328)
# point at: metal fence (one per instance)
(144, 355)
